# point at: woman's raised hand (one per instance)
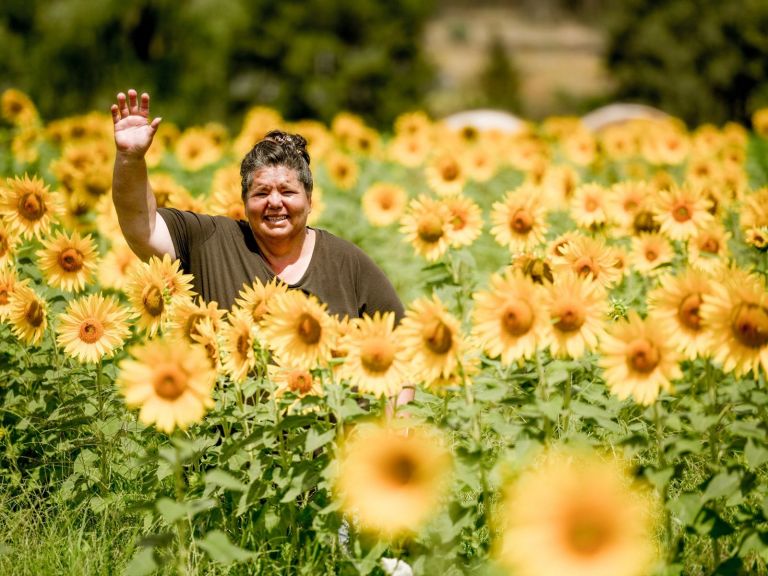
(133, 130)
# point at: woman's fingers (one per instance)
(133, 106)
(122, 105)
(144, 104)
(130, 104)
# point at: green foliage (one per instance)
(211, 60)
(699, 60)
(500, 79)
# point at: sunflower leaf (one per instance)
(221, 550)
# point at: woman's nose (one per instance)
(274, 198)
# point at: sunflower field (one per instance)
(586, 331)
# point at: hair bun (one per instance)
(294, 143)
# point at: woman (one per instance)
(224, 254)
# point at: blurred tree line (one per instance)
(207, 60)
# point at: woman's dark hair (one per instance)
(277, 148)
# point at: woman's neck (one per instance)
(289, 261)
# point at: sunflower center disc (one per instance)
(71, 260)
(3, 296)
(243, 345)
(681, 213)
(400, 469)
(34, 314)
(750, 325)
(569, 320)
(521, 221)
(31, 206)
(450, 172)
(430, 228)
(642, 356)
(169, 385)
(517, 318)
(651, 255)
(588, 535)
(377, 357)
(300, 382)
(710, 245)
(584, 266)
(688, 312)
(539, 270)
(438, 337)
(644, 222)
(153, 301)
(309, 329)
(91, 330)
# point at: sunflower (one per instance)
(580, 148)
(618, 142)
(68, 262)
(226, 193)
(8, 242)
(383, 203)
(757, 238)
(537, 268)
(257, 122)
(28, 314)
(93, 327)
(107, 223)
(466, 220)
(676, 305)
(445, 174)
(590, 258)
(589, 206)
(339, 349)
(754, 210)
(736, 317)
(27, 206)
(709, 248)
(625, 200)
(186, 315)
(165, 187)
(558, 183)
(294, 380)
(239, 341)
(198, 147)
(410, 151)
(342, 169)
(415, 123)
(577, 514)
(682, 211)
(481, 163)
(25, 146)
(651, 253)
(432, 337)
(319, 139)
(509, 319)
(760, 122)
(426, 225)
(318, 206)
(18, 108)
(376, 357)
(639, 359)
(256, 297)
(206, 336)
(170, 380)
(520, 220)
(390, 482)
(116, 266)
(8, 283)
(298, 329)
(577, 309)
(152, 287)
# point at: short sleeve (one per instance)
(375, 291)
(188, 230)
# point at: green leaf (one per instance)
(756, 455)
(221, 550)
(686, 507)
(170, 509)
(142, 563)
(722, 484)
(315, 440)
(221, 479)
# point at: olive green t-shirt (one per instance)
(223, 255)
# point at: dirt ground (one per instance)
(559, 61)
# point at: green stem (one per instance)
(544, 394)
(658, 422)
(567, 403)
(478, 438)
(181, 523)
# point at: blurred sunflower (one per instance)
(754, 210)
(577, 309)
(508, 319)
(376, 358)
(342, 169)
(520, 220)
(319, 139)
(165, 187)
(68, 262)
(618, 142)
(390, 482)
(28, 314)
(415, 123)
(558, 183)
(239, 340)
(481, 163)
(298, 329)
(432, 338)
(466, 220)
(8, 242)
(8, 282)
(580, 148)
(84, 171)
(735, 313)
(639, 359)
(295, 380)
(574, 514)
(18, 108)
(681, 212)
(187, 314)
(171, 381)
(27, 206)
(670, 146)
(757, 238)
(25, 146)
(676, 306)
(651, 253)
(537, 268)
(590, 258)
(365, 142)
(206, 336)
(256, 297)
(383, 203)
(226, 194)
(257, 122)
(445, 174)
(93, 327)
(426, 225)
(116, 266)
(760, 122)
(410, 151)
(625, 199)
(198, 147)
(107, 223)
(589, 206)
(708, 250)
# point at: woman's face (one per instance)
(277, 205)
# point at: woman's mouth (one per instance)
(278, 218)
